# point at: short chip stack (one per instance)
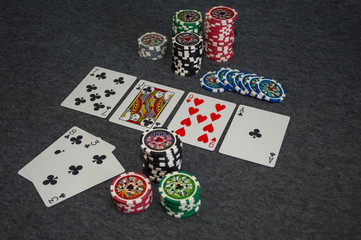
(187, 20)
(187, 50)
(219, 33)
(152, 46)
(131, 192)
(162, 153)
(180, 194)
(248, 84)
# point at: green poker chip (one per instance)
(187, 20)
(179, 194)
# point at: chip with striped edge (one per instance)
(270, 90)
(209, 83)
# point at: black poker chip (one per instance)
(161, 153)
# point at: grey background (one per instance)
(311, 47)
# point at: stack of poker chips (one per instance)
(161, 153)
(152, 46)
(187, 50)
(131, 192)
(245, 83)
(219, 33)
(187, 20)
(180, 194)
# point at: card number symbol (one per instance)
(255, 133)
(76, 140)
(75, 170)
(147, 122)
(101, 76)
(110, 92)
(51, 179)
(120, 80)
(98, 106)
(94, 97)
(79, 101)
(90, 88)
(99, 159)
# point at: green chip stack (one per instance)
(187, 21)
(180, 194)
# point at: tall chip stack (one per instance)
(219, 33)
(187, 20)
(161, 153)
(187, 50)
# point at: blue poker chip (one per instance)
(220, 77)
(270, 90)
(251, 83)
(237, 82)
(228, 79)
(208, 82)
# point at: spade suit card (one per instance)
(99, 92)
(75, 140)
(255, 135)
(201, 120)
(148, 105)
(59, 180)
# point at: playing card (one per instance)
(99, 92)
(200, 121)
(71, 174)
(74, 140)
(255, 135)
(147, 105)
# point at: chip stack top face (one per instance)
(159, 140)
(223, 13)
(130, 188)
(189, 16)
(152, 39)
(187, 39)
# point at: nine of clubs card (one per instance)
(201, 120)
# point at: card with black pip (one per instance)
(148, 105)
(75, 162)
(255, 135)
(99, 92)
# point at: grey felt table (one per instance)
(311, 47)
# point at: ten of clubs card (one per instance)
(201, 120)
(255, 135)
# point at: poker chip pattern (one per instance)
(131, 192)
(187, 50)
(179, 194)
(244, 83)
(152, 46)
(187, 20)
(161, 153)
(219, 33)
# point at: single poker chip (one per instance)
(238, 83)
(179, 188)
(152, 46)
(160, 142)
(220, 77)
(228, 79)
(209, 83)
(131, 191)
(270, 90)
(251, 83)
(187, 20)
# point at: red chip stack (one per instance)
(219, 33)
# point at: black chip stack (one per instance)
(161, 153)
(187, 50)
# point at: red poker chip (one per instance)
(135, 210)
